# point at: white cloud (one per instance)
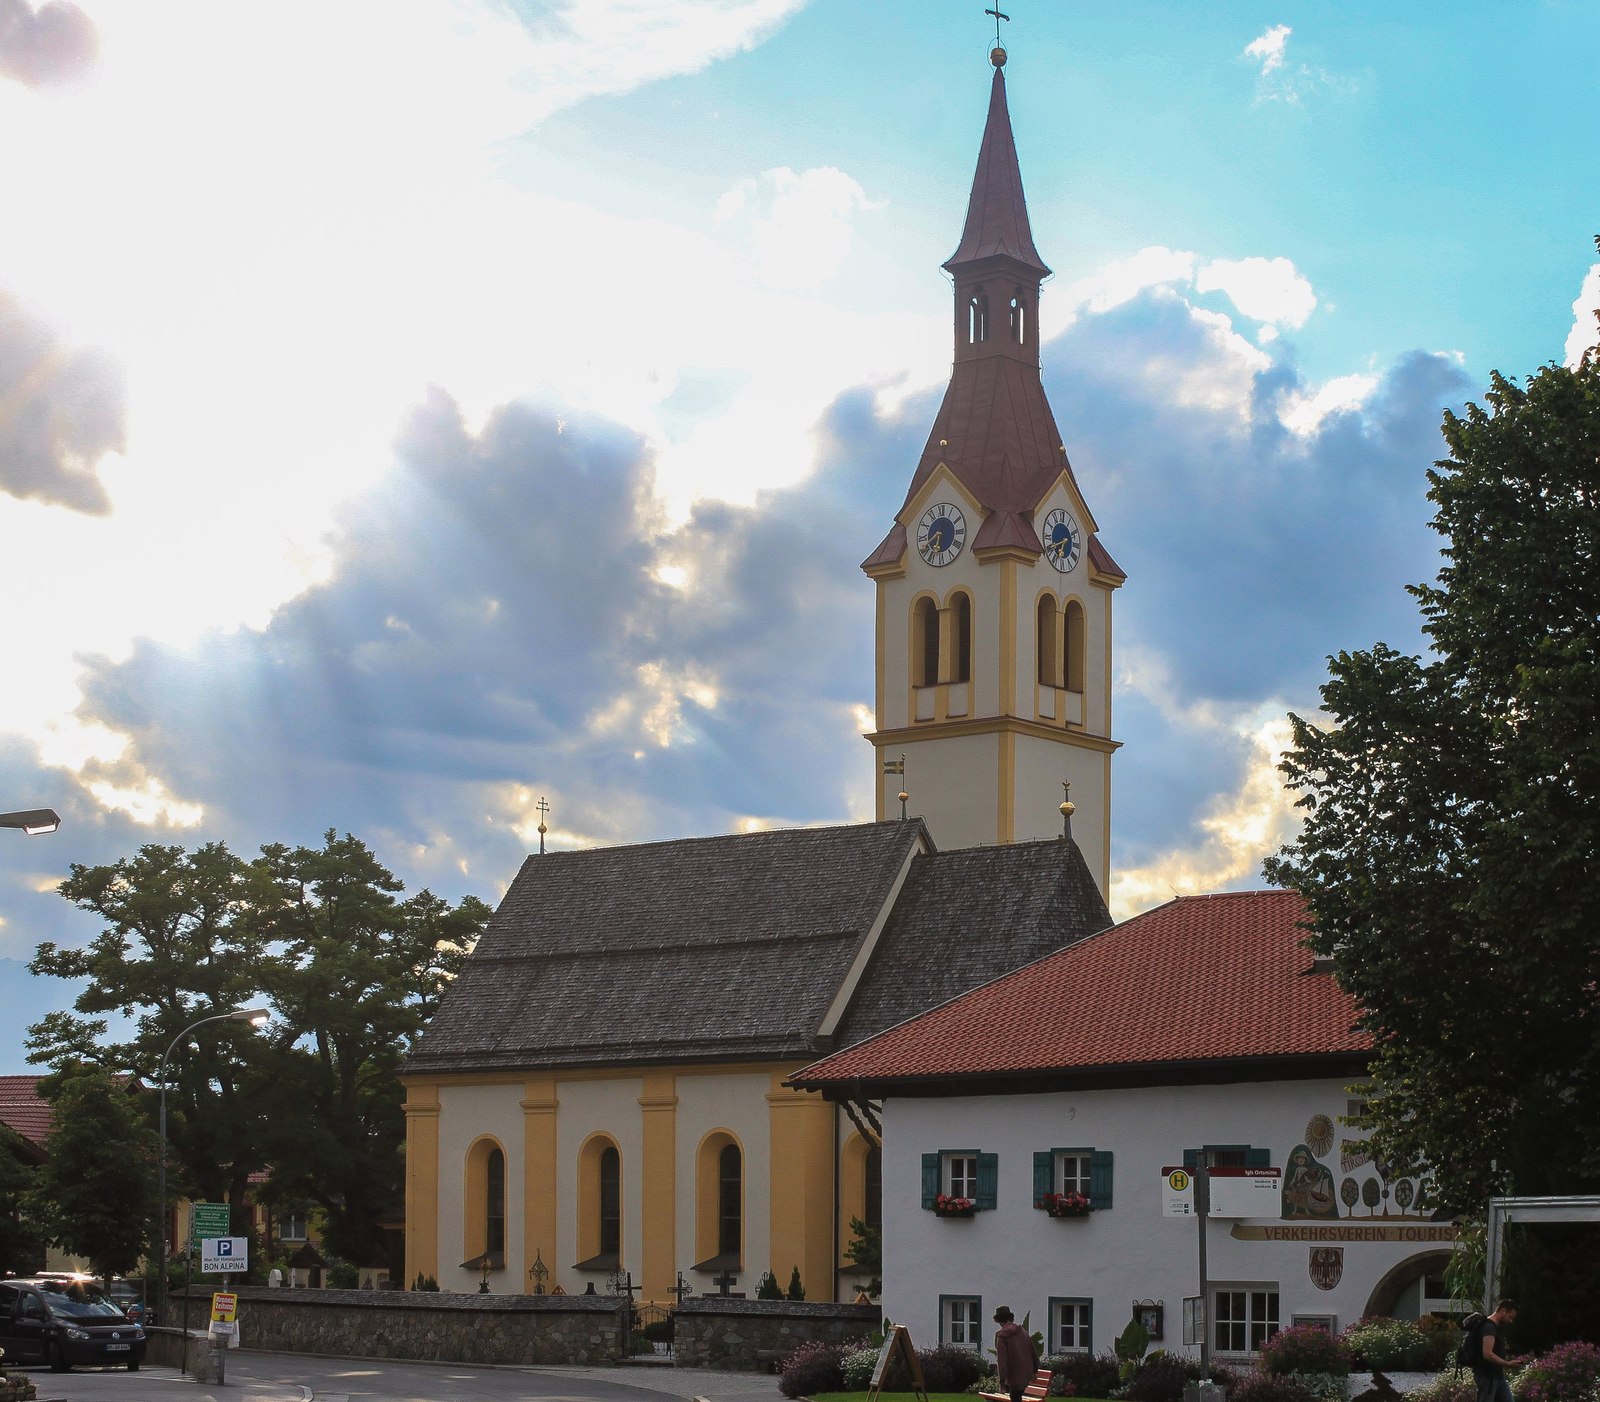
(1125, 278)
(798, 226)
(1267, 49)
(1585, 331)
(1303, 412)
(1265, 289)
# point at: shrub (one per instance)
(1160, 1378)
(1327, 1387)
(797, 1291)
(1082, 1374)
(1270, 1387)
(1451, 1385)
(769, 1289)
(950, 1368)
(1387, 1344)
(341, 1275)
(1440, 1335)
(424, 1282)
(812, 1368)
(857, 1366)
(1305, 1349)
(1568, 1373)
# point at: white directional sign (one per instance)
(1246, 1192)
(224, 1254)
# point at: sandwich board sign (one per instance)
(224, 1312)
(223, 1255)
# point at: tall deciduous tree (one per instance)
(21, 1240)
(1451, 844)
(95, 1193)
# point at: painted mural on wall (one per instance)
(1364, 1187)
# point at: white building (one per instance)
(1103, 1069)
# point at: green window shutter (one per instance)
(930, 1179)
(1099, 1178)
(988, 1180)
(1258, 1158)
(1044, 1172)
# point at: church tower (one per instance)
(994, 592)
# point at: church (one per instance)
(602, 1093)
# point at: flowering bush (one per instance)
(1386, 1344)
(1305, 1349)
(1568, 1373)
(1082, 1374)
(954, 1207)
(1258, 1386)
(1160, 1378)
(950, 1368)
(812, 1368)
(856, 1366)
(1064, 1204)
(1451, 1385)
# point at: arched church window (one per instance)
(1049, 654)
(730, 1199)
(483, 1223)
(925, 642)
(1019, 317)
(961, 638)
(1075, 645)
(494, 1220)
(978, 318)
(610, 1202)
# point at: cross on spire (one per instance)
(998, 16)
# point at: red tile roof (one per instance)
(23, 1109)
(1202, 979)
(997, 212)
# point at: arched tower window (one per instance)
(925, 642)
(1019, 317)
(484, 1203)
(1075, 645)
(719, 1202)
(978, 318)
(961, 638)
(1049, 653)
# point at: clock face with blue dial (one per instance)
(1063, 541)
(941, 533)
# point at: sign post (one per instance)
(207, 1220)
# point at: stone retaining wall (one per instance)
(713, 1332)
(583, 1329)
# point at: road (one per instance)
(282, 1377)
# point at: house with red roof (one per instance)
(1043, 1133)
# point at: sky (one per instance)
(409, 411)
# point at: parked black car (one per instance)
(62, 1322)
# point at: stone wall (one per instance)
(425, 1325)
(713, 1332)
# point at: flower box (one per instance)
(945, 1206)
(1064, 1204)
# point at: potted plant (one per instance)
(1067, 1204)
(946, 1206)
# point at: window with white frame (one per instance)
(960, 1320)
(961, 1175)
(1069, 1326)
(291, 1226)
(1243, 1317)
(1072, 1171)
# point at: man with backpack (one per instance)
(1488, 1364)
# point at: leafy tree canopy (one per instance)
(1452, 814)
(351, 969)
(21, 1238)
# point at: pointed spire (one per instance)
(997, 213)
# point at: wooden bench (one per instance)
(1036, 1391)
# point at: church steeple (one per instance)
(994, 592)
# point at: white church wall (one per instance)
(466, 1113)
(736, 1103)
(1021, 1257)
(593, 1106)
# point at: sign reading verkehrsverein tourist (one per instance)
(1415, 1231)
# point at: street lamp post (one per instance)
(32, 821)
(256, 1017)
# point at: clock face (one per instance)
(1063, 542)
(941, 533)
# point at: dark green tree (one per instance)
(796, 1290)
(1451, 836)
(356, 972)
(95, 1193)
(866, 1251)
(21, 1240)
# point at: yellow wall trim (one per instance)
(993, 725)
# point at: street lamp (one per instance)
(256, 1017)
(32, 821)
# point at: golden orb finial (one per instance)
(997, 56)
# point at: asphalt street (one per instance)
(280, 1377)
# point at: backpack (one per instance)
(1469, 1352)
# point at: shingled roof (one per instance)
(1203, 988)
(27, 1112)
(761, 946)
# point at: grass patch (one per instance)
(894, 1397)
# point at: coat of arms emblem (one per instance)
(1327, 1265)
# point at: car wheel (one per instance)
(58, 1359)
(133, 1366)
